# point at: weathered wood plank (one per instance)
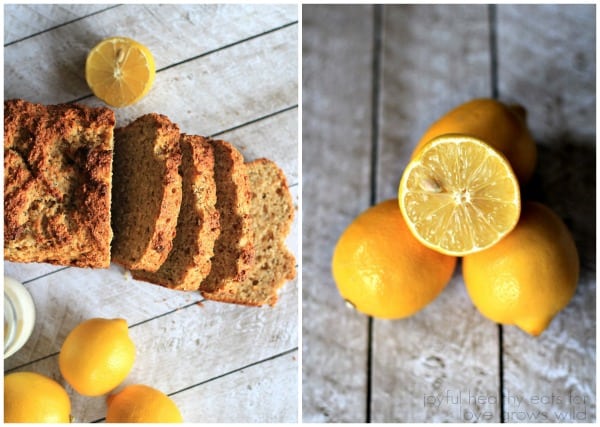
(546, 57)
(275, 137)
(58, 56)
(71, 295)
(435, 58)
(336, 147)
(25, 20)
(226, 89)
(432, 366)
(229, 87)
(253, 391)
(30, 271)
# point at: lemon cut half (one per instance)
(120, 71)
(459, 195)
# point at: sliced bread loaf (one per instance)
(198, 225)
(272, 213)
(57, 183)
(233, 250)
(146, 192)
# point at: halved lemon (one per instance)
(459, 195)
(120, 71)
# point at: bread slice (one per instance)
(198, 224)
(272, 214)
(146, 192)
(57, 183)
(233, 250)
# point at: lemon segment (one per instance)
(459, 195)
(120, 71)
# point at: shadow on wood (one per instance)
(565, 180)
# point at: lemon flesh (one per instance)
(120, 71)
(459, 195)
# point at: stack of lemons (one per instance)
(460, 196)
(95, 358)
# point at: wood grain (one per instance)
(226, 89)
(27, 20)
(61, 78)
(275, 137)
(336, 135)
(69, 296)
(546, 64)
(434, 57)
(238, 389)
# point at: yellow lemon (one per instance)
(459, 195)
(529, 276)
(501, 126)
(120, 71)
(141, 404)
(97, 356)
(34, 398)
(382, 270)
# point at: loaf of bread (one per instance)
(233, 250)
(146, 192)
(186, 211)
(198, 224)
(272, 213)
(57, 183)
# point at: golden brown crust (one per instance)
(233, 250)
(272, 214)
(57, 183)
(146, 192)
(198, 224)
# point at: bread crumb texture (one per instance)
(57, 183)
(234, 249)
(146, 192)
(272, 213)
(198, 225)
(186, 211)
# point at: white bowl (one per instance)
(19, 316)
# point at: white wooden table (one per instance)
(373, 80)
(222, 70)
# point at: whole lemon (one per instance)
(529, 276)
(502, 126)
(34, 398)
(383, 270)
(141, 404)
(97, 355)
